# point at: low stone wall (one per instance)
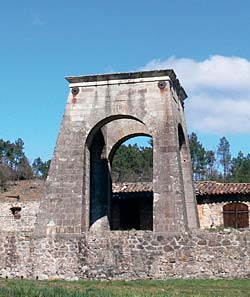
(127, 255)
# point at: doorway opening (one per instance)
(132, 168)
(236, 215)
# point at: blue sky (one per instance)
(206, 42)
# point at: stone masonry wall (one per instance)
(127, 255)
(26, 222)
(210, 215)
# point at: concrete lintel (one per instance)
(119, 81)
(127, 78)
(121, 75)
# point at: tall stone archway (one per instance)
(98, 150)
(150, 99)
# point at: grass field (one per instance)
(217, 288)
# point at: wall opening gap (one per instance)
(132, 168)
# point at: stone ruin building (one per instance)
(223, 204)
(82, 230)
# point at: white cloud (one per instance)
(218, 90)
(207, 113)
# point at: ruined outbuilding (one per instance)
(223, 204)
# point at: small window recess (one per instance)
(16, 211)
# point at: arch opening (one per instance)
(100, 180)
(106, 121)
(183, 151)
(191, 213)
(132, 168)
(182, 141)
(98, 186)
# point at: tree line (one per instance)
(14, 165)
(218, 165)
(133, 163)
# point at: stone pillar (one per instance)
(169, 205)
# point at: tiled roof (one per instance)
(201, 188)
(132, 187)
(34, 189)
(215, 188)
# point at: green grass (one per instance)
(147, 288)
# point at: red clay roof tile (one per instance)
(201, 188)
(34, 189)
(216, 188)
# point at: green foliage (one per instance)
(211, 172)
(23, 169)
(198, 157)
(224, 155)
(223, 168)
(241, 168)
(135, 164)
(132, 164)
(40, 168)
(140, 288)
(14, 163)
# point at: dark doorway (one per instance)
(132, 211)
(100, 180)
(129, 214)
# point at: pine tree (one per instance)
(41, 168)
(198, 157)
(241, 168)
(223, 153)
